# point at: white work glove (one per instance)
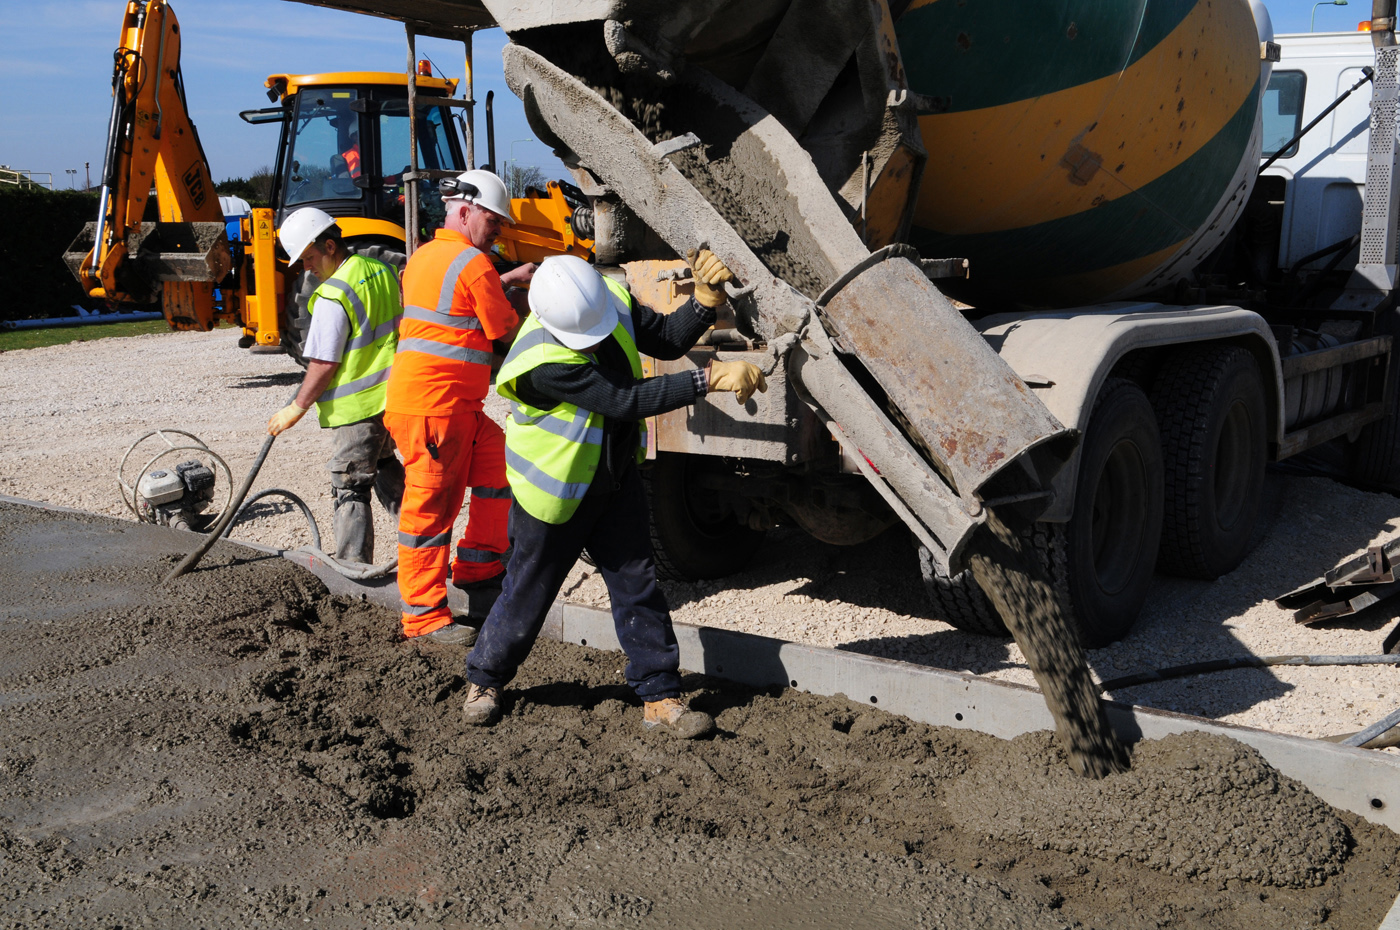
(743, 378)
(285, 419)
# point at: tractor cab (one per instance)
(345, 148)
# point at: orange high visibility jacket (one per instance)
(454, 307)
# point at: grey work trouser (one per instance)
(363, 459)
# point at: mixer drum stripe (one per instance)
(984, 54)
(1154, 218)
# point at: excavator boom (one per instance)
(152, 145)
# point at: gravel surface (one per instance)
(67, 414)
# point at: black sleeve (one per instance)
(670, 335)
(600, 390)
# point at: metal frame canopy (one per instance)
(443, 18)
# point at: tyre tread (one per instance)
(1183, 397)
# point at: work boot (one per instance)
(455, 633)
(483, 706)
(676, 718)
(481, 584)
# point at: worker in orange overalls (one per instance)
(455, 307)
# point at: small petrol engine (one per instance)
(177, 496)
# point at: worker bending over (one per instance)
(574, 437)
(348, 351)
(454, 308)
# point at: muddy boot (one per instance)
(674, 717)
(455, 633)
(483, 706)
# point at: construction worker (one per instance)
(573, 441)
(455, 307)
(348, 351)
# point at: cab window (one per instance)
(1283, 111)
(325, 157)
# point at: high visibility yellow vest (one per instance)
(367, 291)
(552, 455)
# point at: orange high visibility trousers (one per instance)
(443, 457)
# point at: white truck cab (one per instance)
(1318, 181)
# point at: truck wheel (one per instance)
(1100, 563)
(1114, 532)
(693, 536)
(1374, 459)
(959, 601)
(1210, 409)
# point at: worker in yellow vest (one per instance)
(354, 332)
(574, 438)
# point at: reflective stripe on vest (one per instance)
(442, 315)
(552, 455)
(367, 292)
(445, 350)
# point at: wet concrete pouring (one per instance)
(243, 748)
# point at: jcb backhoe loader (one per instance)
(346, 146)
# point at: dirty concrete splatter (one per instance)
(245, 747)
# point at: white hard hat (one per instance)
(572, 302)
(480, 187)
(301, 229)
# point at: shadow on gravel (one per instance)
(280, 379)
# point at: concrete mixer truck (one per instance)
(1010, 257)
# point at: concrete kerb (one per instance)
(1364, 782)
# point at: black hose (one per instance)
(1348, 243)
(1374, 732)
(1221, 665)
(311, 525)
(191, 560)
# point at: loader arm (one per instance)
(152, 145)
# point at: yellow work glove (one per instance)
(710, 274)
(285, 418)
(743, 378)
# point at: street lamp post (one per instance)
(511, 162)
(71, 172)
(1312, 23)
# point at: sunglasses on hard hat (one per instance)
(453, 188)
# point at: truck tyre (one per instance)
(959, 601)
(691, 538)
(1210, 409)
(1114, 532)
(1373, 461)
(1100, 562)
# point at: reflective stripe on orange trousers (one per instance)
(443, 457)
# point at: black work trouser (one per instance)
(612, 521)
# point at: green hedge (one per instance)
(36, 226)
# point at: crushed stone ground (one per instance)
(241, 748)
(62, 432)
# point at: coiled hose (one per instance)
(238, 505)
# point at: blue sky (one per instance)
(56, 74)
